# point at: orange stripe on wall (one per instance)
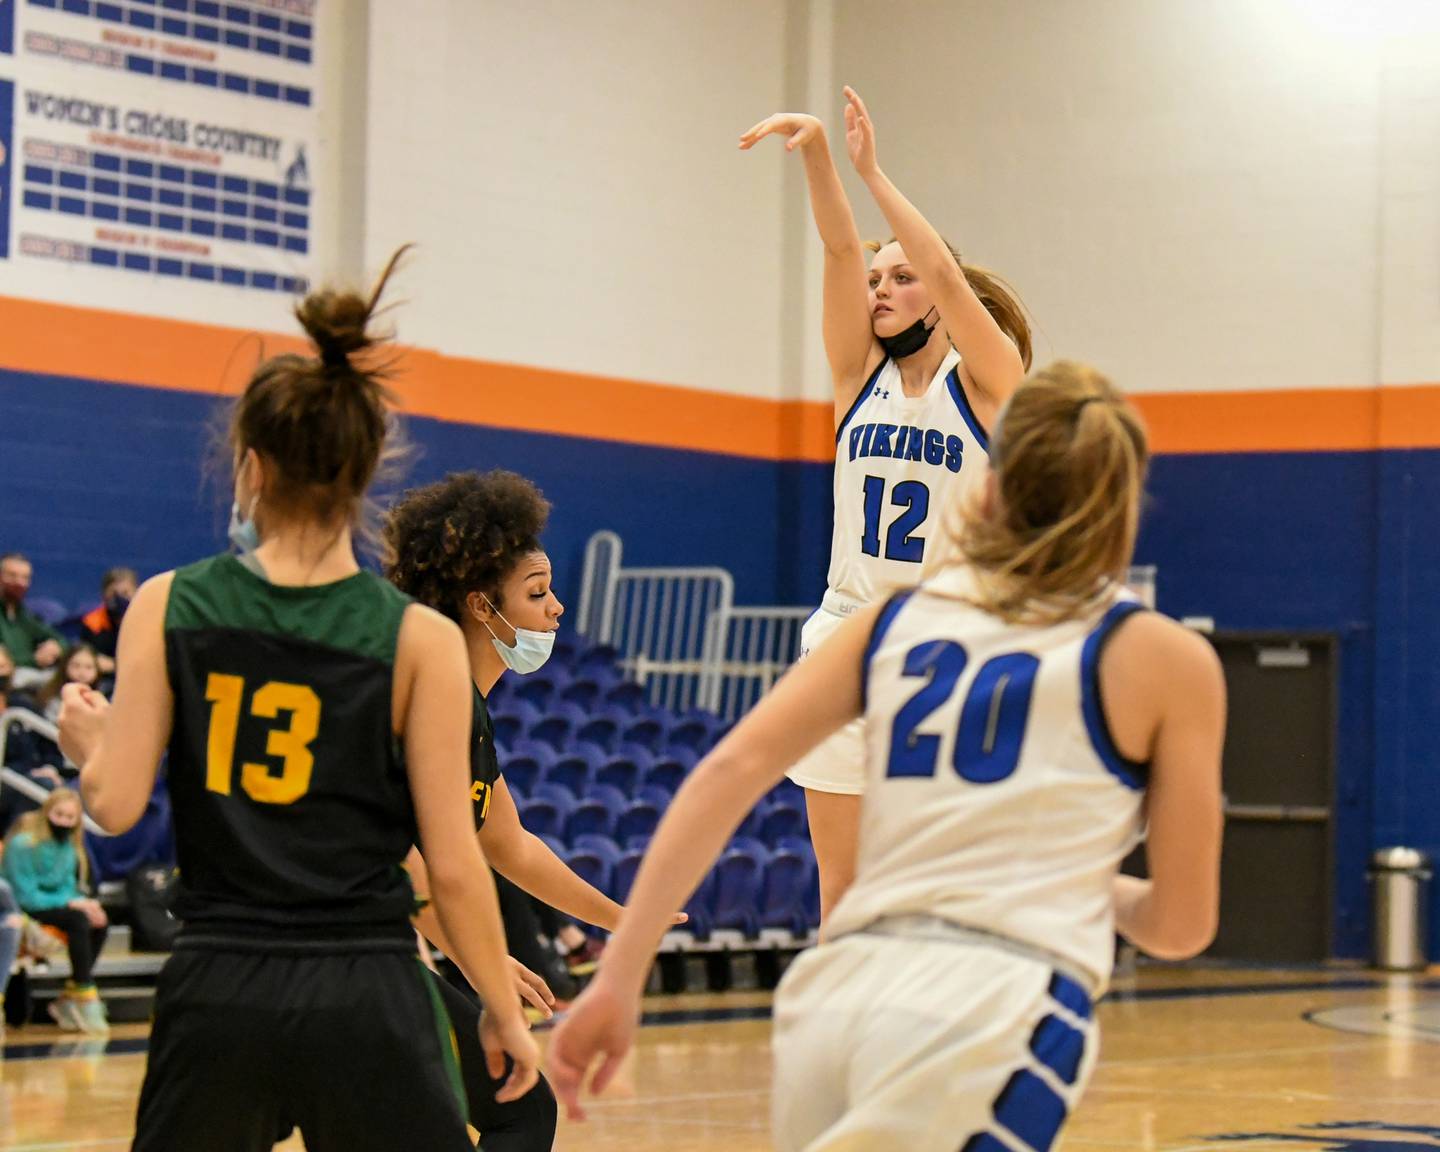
(91, 344)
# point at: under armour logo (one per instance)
(883, 393)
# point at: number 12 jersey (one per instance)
(901, 463)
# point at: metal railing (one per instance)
(678, 632)
(746, 651)
(657, 619)
(603, 553)
(10, 778)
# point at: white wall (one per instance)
(1195, 194)
(1186, 193)
(570, 170)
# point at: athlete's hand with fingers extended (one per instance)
(532, 989)
(600, 1025)
(83, 716)
(798, 129)
(511, 1037)
(859, 134)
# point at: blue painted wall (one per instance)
(97, 474)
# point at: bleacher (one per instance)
(593, 765)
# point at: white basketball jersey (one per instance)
(994, 795)
(900, 461)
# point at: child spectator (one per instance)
(46, 865)
(81, 665)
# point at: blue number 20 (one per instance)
(992, 719)
(900, 544)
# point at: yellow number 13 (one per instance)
(226, 694)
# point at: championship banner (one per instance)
(159, 155)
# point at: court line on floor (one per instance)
(1307, 1097)
(1247, 1055)
(683, 1016)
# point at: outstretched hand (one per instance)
(859, 134)
(798, 128)
(600, 1026)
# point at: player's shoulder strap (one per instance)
(360, 614)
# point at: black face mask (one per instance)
(908, 341)
(5, 682)
(116, 606)
(61, 832)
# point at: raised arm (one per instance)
(814, 699)
(989, 355)
(850, 344)
(118, 744)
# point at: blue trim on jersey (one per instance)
(962, 402)
(1068, 994)
(1059, 1047)
(877, 636)
(1131, 773)
(860, 399)
(1030, 1110)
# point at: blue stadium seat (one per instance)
(647, 731)
(562, 798)
(524, 766)
(601, 656)
(601, 845)
(650, 794)
(588, 688)
(513, 719)
(591, 867)
(537, 750)
(575, 769)
(640, 819)
(750, 827)
(700, 909)
(601, 730)
(667, 773)
(738, 879)
(541, 688)
(544, 818)
(558, 725)
(781, 821)
(619, 772)
(783, 900)
(597, 812)
(627, 696)
(693, 731)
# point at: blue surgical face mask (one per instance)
(243, 533)
(531, 648)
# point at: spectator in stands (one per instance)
(11, 931)
(7, 670)
(46, 865)
(33, 644)
(26, 752)
(81, 665)
(100, 628)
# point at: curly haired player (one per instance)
(469, 547)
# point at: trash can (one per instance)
(1401, 878)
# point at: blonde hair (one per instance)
(37, 824)
(1069, 457)
(1000, 299)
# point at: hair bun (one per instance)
(337, 324)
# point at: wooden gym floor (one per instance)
(1193, 1059)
